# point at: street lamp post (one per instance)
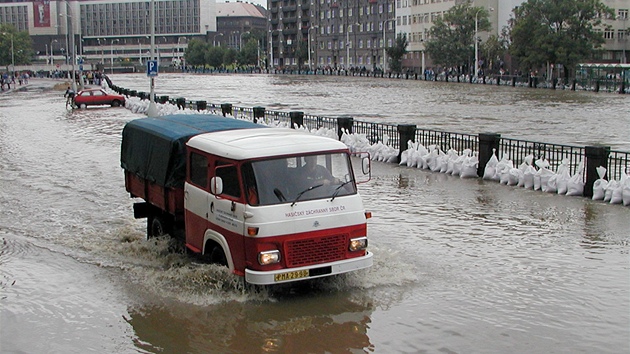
(310, 64)
(111, 47)
(52, 58)
(477, 41)
(384, 46)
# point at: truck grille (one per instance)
(315, 250)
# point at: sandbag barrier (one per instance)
(583, 164)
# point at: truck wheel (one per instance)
(156, 227)
(217, 256)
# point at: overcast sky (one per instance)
(258, 2)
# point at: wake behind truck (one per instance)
(274, 205)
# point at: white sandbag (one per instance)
(600, 184)
(469, 167)
(432, 160)
(529, 179)
(610, 187)
(575, 184)
(625, 193)
(562, 181)
(545, 176)
(514, 177)
(616, 193)
(552, 184)
(403, 157)
(490, 169)
(599, 189)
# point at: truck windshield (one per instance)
(299, 178)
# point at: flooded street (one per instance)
(461, 266)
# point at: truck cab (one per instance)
(274, 205)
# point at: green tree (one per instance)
(396, 53)
(494, 50)
(214, 56)
(196, 52)
(22, 50)
(452, 38)
(249, 52)
(544, 32)
(301, 52)
(229, 56)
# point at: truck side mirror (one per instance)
(366, 165)
(216, 185)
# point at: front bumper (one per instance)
(315, 271)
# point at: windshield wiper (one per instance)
(304, 191)
(279, 195)
(338, 189)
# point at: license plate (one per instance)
(291, 275)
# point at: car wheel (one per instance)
(115, 103)
(156, 227)
(83, 106)
(217, 256)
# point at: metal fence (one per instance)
(396, 136)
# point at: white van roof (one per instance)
(244, 144)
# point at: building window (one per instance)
(609, 34)
(622, 14)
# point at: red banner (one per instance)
(41, 13)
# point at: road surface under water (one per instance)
(461, 266)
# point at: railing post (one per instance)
(344, 123)
(406, 132)
(226, 108)
(487, 142)
(595, 156)
(297, 119)
(259, 112)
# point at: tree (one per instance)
(249, 52)
(544, 32)
(494, 50)
(301, 52)
(22, 51)
(196, 52)
(452, 38)
(396, 53)
(214, 56)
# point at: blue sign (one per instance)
(152, 68)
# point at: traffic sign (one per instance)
(152, 68)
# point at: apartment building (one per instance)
(334, 33)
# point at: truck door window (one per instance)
(229, 176)
(199, 169)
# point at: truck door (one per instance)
(226, 214)
(196, 203)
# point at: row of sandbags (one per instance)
(433, 158)
(613, 191)
(536, 175)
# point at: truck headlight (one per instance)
(357, 244)
(269, 257)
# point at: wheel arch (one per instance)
(212, 239)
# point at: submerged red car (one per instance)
(97, 97)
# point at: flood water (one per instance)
(461, 266)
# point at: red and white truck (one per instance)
(274, 205)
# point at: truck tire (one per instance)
(217, 256)
(156, 226)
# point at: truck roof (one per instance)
(250, 144)
(155, 148)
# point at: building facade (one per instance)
(110, 30)
(330, 33)
(235, 19)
